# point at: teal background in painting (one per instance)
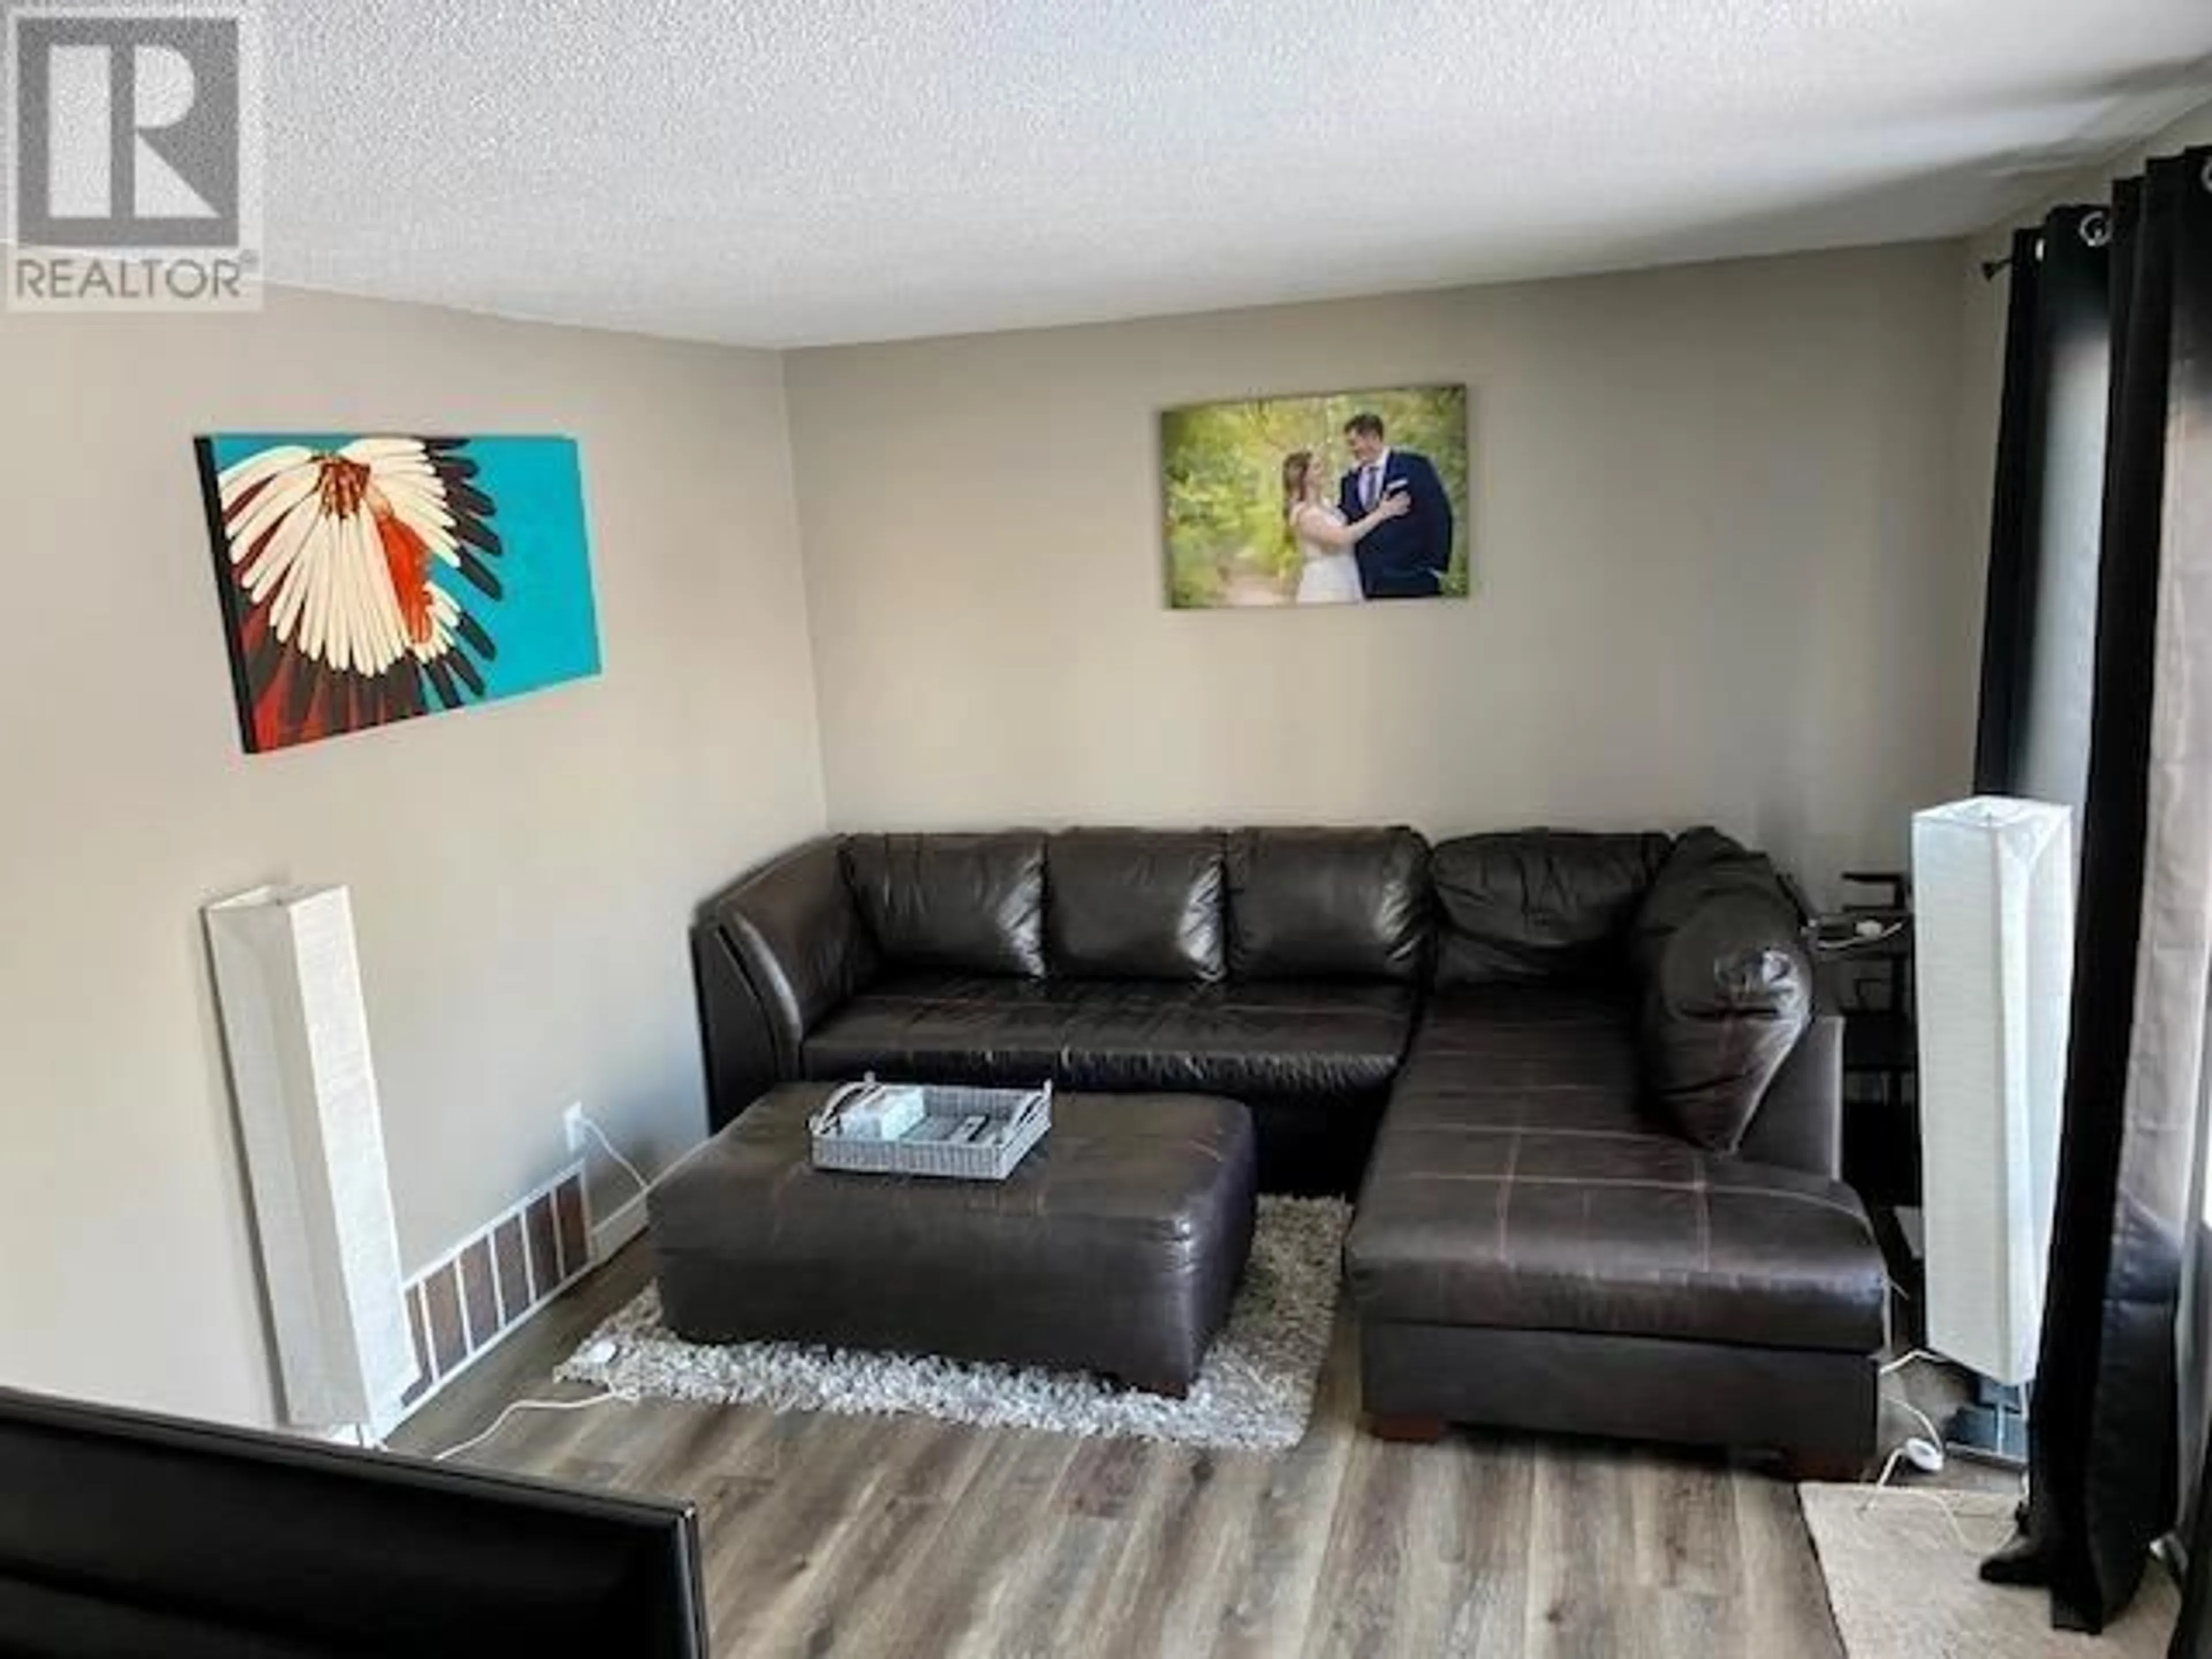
(544, 623)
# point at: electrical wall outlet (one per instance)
(572, 1122)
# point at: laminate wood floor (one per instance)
(865, 1537)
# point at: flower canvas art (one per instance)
(371, 578)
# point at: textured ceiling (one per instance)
(782, 172)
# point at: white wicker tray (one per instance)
(1016, 1119)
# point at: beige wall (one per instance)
(521, 872)
(1718, 573)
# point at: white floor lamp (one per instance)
(1993, 885)
(296, 1033)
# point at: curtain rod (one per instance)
(1991, 267)
(2096, 229)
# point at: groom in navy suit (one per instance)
(1405, 557)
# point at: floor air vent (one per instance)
(463, 1304)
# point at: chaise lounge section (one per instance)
(1531, 1251)
(1603, 1117)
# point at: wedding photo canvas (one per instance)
(1334, 498)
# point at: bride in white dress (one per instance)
(1330, 575)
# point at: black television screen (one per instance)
(122, 1534)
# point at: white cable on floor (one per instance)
(1899, 1452)
(1875, 1494)
(1934, 1434)
(1880, 1487)
(500, 1421)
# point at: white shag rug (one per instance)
(1904, 1581)
(1253, 1393)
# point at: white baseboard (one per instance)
(533, 1250)
(621, 1226)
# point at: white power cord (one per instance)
(1928, 1455)
(1972, 1545)
(1880, 1487)
(609, 1149)
(629, 1168)
(500, 1421)
(1934, 1434)
(1866, 932)
(608, 1146)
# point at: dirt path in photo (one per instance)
(1251, 583)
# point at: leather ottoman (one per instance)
(1114, 1248)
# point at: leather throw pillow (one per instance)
(1726, 987)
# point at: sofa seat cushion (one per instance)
(1515, 1185)
(1276, 1039)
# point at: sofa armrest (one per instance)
(733, 1031)
(792, 935)
(1800, 1121)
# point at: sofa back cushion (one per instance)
(974, 903)
(1135, 904)
(799, 939)
(1533, 905)
(1327, 903)
(1726, 986)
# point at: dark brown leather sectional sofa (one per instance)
(1574, 1079)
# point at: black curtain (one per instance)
(2008, 604)
(2188, 523)
(2103, 1478)
(2055, 331)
